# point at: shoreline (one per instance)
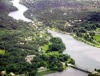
(83, 40)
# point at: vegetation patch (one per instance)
(2, 52)
(97, 38)
(87, 42)
(45, 47)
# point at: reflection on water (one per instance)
(19, 14)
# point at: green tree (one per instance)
(57, 45)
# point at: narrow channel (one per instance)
(85, 56)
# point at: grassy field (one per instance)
(2, 52)
(97, 38)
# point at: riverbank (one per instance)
(87, 42)
(76, 37)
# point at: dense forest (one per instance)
(20, 41)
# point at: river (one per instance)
(86, 57)
(18, 15)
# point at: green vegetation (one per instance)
(52, 59)
(2, 52)
(20, 40)
(82, 15)
(56, 45)
(56, 14)
(97, 38)
(87, 32)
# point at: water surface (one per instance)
(18, 15)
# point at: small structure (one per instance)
(41, 68)
(12, 74)
(28, 58)
(3, 73)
